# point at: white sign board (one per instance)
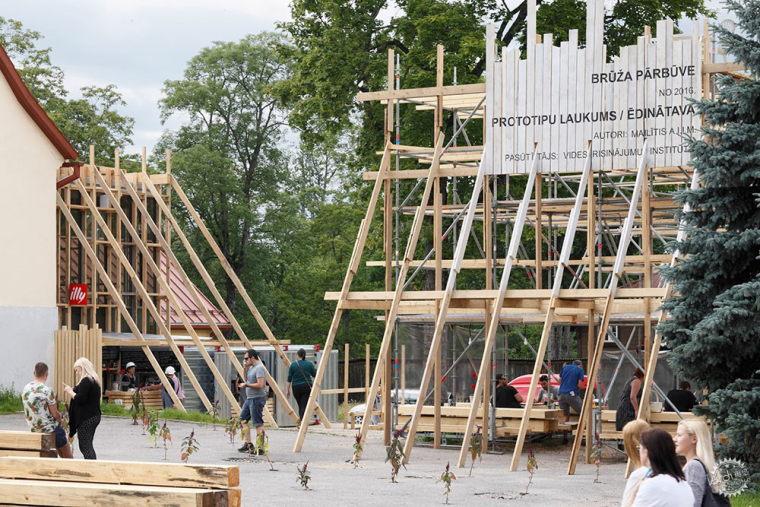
(560, 98)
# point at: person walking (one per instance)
(256, 398)
(628, 408)
(85, 406)
(664, 484)
(301, 376)
(41, 410)
(631, 441)
(693, 442)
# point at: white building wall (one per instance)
(28, 316)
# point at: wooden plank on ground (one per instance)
(122, 472)
(26, 441)
(75, 494)
(28, 454)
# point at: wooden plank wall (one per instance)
(70, 345)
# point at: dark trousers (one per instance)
(301, 393)
(86, 432)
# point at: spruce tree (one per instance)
(714, 333)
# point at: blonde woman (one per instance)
(693, 442)
(631, 440)
(85, 406)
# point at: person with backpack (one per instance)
(693, 441)
(301, 376)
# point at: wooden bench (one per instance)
(36, 481)
(507, 420)
(27, 444)
(668, 421)
(152, 399)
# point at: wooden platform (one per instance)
(507, 420)
(152, 399)
(35, 481)
(667, 421)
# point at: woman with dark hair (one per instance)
(665, 484)
(628, 408)
(301, 375)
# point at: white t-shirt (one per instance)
(664, 491)
(633, 479)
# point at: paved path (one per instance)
(336, 482)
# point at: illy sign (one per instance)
(78, 294)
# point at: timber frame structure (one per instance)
(113, 226)
(625, 212)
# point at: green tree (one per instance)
(227, 156)
(91, 119)
(714, 333)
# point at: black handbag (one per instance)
(712, 499)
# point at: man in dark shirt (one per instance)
(682, 398)
(506, 395)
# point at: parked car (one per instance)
(410, 397)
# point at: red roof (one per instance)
(33, 108)
(185, 299)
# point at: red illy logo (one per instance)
(78, 294)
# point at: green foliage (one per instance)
(746, 499)
(115, 410)
(214, 413)
(151, 423)
(304, 476)
(395, 454)
(189, 446)
(715, 313)
(138, 407)
(531, 466)
(447, 477)
(358, 448)
(10, 401)
(232, 428)
(91, 119)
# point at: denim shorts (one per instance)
(252, 410)
(60, 437)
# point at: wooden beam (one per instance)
(27, 441)
(119, 302)
(567, 246)
(33, 492)
(415, 93)
(120, 472)
(361, 238)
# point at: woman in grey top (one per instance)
(693, 442)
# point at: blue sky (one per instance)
(138, 44)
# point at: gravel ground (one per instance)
(335, 481)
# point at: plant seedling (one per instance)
(304, 476)
(261, 448)
(166, 436)
(446, 477)
(358, 448)
(233, 427)
(532, 466)
(189, 446)
(214, 413)
(153, 427)
(395, 454)
(136, 410)
(476, 448)
(597, 455)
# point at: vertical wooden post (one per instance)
(388, 247)
(437, 394)
(403, 374)
(539, 232)
(487, 380)
(646, 244)
(346, 357)
(591, 233)
(367, 374)
(589, 388)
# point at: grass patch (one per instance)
(171, 414)
(746, 499)
(10, 401)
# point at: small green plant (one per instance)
(214, 413)
(446, 477)
(395, 454)
(303, 475)
(358, 448)
(597, 455)
(153, 427)
(136, 410)
(532, 466)
(189, 446)
(232, 428)
(63, 409)
(476, 448)
(261, 447)
(166, 436)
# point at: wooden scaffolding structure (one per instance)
(623, 206)
(113, 226)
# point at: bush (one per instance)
(10, 401)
